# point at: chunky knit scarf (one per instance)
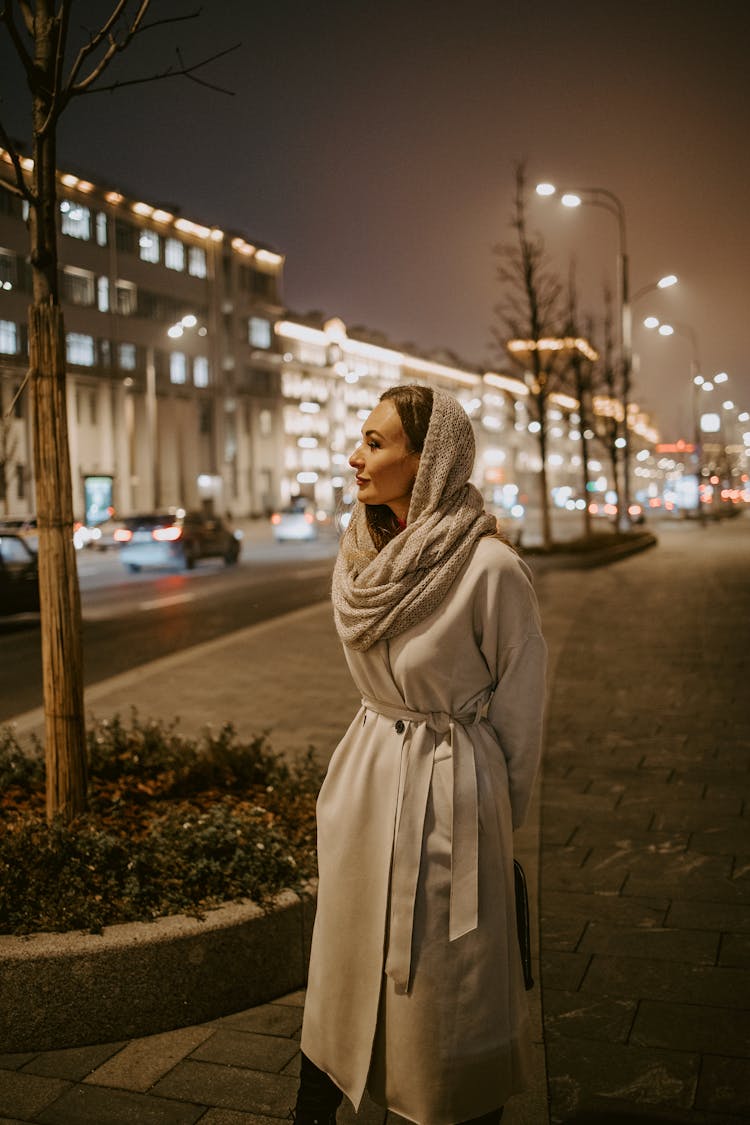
(377, 595)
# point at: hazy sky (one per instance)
(374, 144)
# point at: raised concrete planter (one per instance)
(582, 560)
(140, 978)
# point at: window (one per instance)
(7, 270)
(8, 337)
(101, 228)
(197, 261)
(200, 371)
(177, 367)
(148, 246)
(76, 220)
(259, 332)
(105, 353)
(78, 286)
(79, 349)
(126, 356)
(102, 294)
(126, 295)
(125, 237)
(265, 423)
(174, 254)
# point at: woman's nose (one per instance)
(356, 457)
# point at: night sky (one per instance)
(374, 144)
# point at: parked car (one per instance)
(19, 575)
(175, 539)
(298, 521)
(24, 526)
(101, 536)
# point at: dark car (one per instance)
(175, 539)
(19, 576)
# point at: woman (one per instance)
(415, 988)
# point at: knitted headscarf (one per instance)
(377, 595)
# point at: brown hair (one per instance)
(414, 406)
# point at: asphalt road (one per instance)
(130, 619)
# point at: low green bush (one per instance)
(174, 825)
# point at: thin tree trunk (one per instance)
(59, 595)
(62, 651)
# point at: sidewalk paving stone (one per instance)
(24, 1095)
(92, 1105)
(724, 1085)
(267, 1019)
(735, 950)
(229, 1087)
(641, 977)
(248, 1049)
(602, 1018)
(144, 1061)
(74, 1063)
(696, 946)
(692, 1027)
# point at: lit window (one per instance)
(78, 286)
(197, 261)
(102, 294)
(79, 349)
(7, 270)
(76, 220)
(126, 356)
(200, 371)
(174, 254)
(259, 332)
(148, 246)
(177, 367)
(8, 337)
(101, 228)
(127, 297)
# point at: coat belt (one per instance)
(427, 728)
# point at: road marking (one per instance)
(175, 599)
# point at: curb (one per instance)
(584, 560)
(141, 978)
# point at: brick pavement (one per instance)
(645, 897)
(645, 928)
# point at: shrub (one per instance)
(174, 825)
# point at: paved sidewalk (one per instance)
(644, 894)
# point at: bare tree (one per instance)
(530, 310)
(39, 31)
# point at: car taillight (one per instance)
(122, 535)
(166, 534)
(275, 518)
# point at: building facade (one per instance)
(190, 383)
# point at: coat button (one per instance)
(400, 727)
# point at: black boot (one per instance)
(491, 1118)
(318, 1096)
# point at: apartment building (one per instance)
(190, 383)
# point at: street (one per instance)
(130, 619)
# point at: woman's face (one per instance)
(385, 467)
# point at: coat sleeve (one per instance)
(507, 618)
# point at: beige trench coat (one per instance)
(415, 988)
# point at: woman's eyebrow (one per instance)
(376, 432)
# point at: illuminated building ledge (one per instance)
(263, 256)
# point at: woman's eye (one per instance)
(373, 445)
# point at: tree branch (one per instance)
(18, 43)
(98, 38)
(62, 20)
(170, 72)
(20, 188)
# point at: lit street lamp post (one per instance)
(603, 197)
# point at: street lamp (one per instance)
(698, 383)
(603, 197)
